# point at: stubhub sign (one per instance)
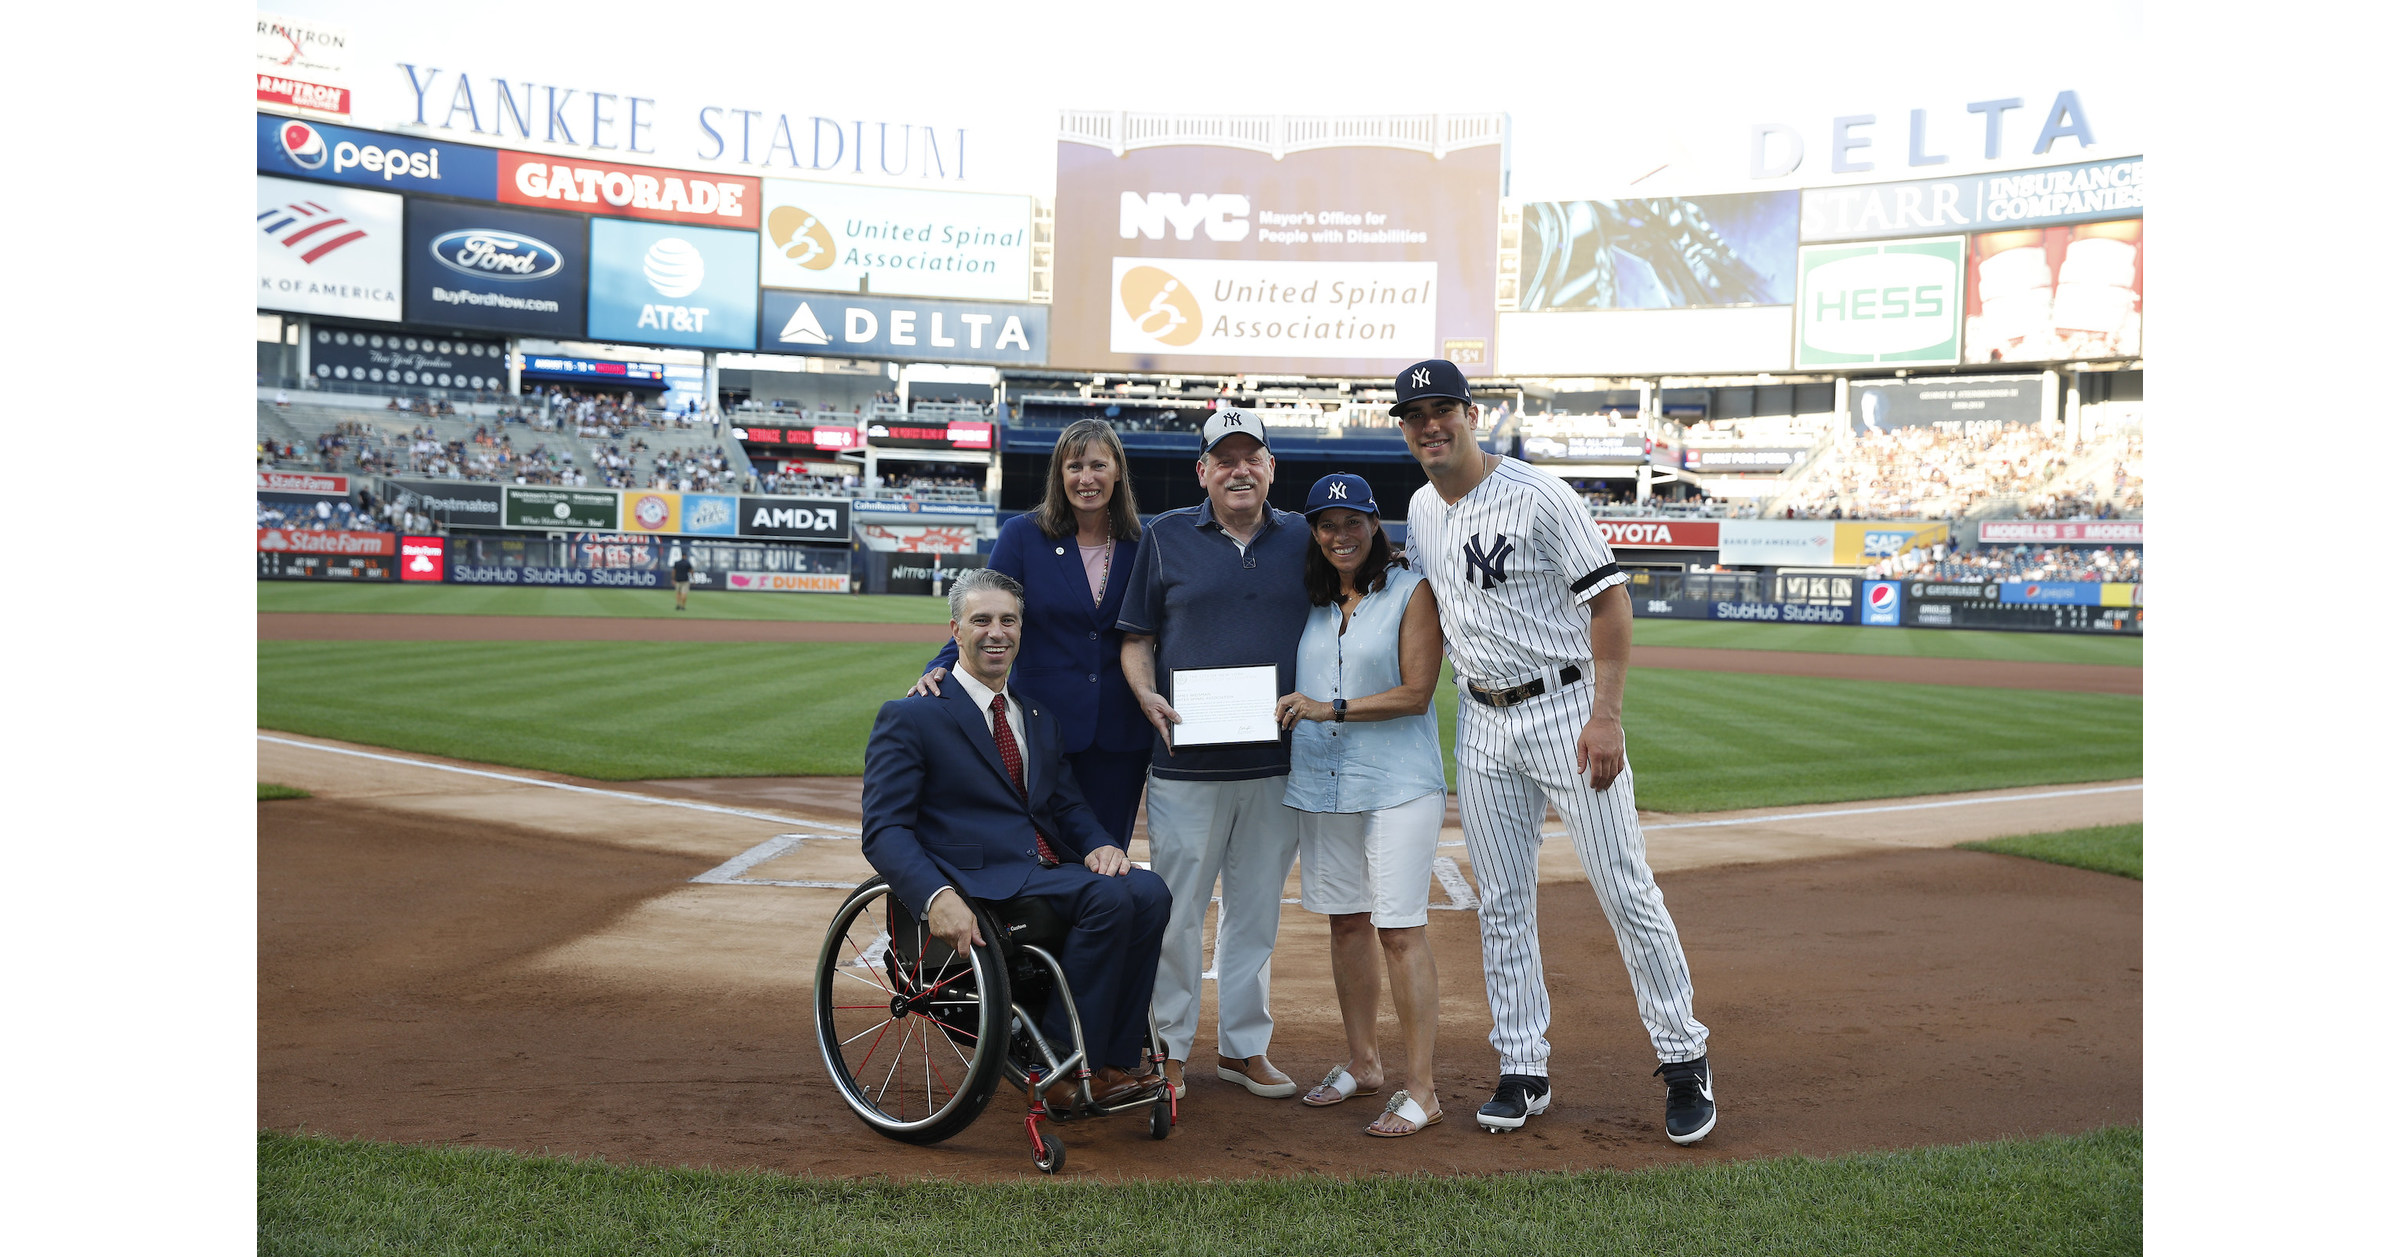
(903, 329)
(671, 284)
(303, 149)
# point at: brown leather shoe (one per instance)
(1256, 1075)
(1110, 1085)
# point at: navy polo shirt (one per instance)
(1211, 604)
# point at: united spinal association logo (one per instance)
(1161, 306)
(801, 237)
(306, 223)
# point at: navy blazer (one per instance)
(937, 802)
(1069, 658)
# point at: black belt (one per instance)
(1516, 694)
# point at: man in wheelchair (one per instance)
(967, 792)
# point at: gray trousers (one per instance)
(1240, 832)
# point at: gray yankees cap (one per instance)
(1225, 423)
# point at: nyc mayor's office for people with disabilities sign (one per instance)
(1889, 301)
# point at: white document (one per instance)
(1225, 706)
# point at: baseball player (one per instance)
(1539, 633)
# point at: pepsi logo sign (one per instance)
(1882, 597)
(504, 255)
(304, 144)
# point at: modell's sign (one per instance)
(301, 482)
(2052, 532)
(304, 541)
(666, 196)
(1660, 534)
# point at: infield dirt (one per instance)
(481, 959)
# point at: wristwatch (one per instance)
(1341, 710)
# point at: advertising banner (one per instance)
(2046, 593)
(595, 371)
(421, 558)
(1864, 304)
(801, 519)
(1879, 604)
(789, 582)
(287, 565)
(1814, 588)
(311, 541)
(2055, 294)
(903, 329)
(919, 538)
(423, 361)
(2011, 198)
(1752, 458)
(571, 577)
(1877, 404)
(301, 62)
(823, 438)
(709, 514)
(1784, 612)
(1775, 543)
(450, 503)
(376, 159)
(484, 266)
(1670, 608)
(1861, 543)
(303, 482)
(1633, 449)
(1660, 253)
(652, 510)
(2055, 532)
(848, 238)
(1668, 534)
(1350, 261)
(2115, 608)
(965, 435)
(661, 284)
(558, 508)
(621, 191)
(328, 250)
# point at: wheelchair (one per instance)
(918, 1037)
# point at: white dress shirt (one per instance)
(981, 695)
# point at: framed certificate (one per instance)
(1224, 706)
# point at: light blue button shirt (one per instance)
(1361, 765)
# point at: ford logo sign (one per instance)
(497, 255)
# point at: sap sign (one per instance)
(669, 284)
(507, 270)
(319, 150)
(904, 330)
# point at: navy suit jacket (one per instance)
(1069, 659)
(938, 804)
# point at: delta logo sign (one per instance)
(377, 159)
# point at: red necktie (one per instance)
(1015, 763)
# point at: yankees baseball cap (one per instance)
(1434, 377)
(1342, 489)
(1225, 423)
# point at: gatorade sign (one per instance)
(421, 558)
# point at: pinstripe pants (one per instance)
(1510, 762)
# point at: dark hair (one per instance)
(1055, 516)
(1325, 583)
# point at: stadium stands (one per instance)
(1971, 472)
(2035, 563)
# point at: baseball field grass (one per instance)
(1700, 741)
(2102, 848)
(2079, 1194)
(863, 609)
(269, 790)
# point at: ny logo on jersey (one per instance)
(1491, 562)
(1420, 378)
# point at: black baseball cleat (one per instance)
(1519, 1096)
(1691, 1100)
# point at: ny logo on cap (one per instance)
(1338, 490)
(1233, 420)
(1420, 378)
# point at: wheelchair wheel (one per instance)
(1162, 1118)
(1051, 1157)
(912, 1033)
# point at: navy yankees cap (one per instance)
(1230, 422)
(1342, 489)
(1434, 377)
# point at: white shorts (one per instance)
(1379, 862)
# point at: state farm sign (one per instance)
(1659, 534)
(302, 482)
(594, 187)
(305, 541)
(2053, 532)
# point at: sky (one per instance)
(1604, 99)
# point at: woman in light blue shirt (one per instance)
(1367, 778)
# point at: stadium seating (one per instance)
(1980, 472)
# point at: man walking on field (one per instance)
(1539, 632)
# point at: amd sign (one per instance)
(800, 519)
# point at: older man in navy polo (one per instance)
(1219, 585)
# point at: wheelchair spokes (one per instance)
(902, 1020)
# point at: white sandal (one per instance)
(1409, 1111)
(1344, 1085)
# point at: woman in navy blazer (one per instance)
(1082, 536)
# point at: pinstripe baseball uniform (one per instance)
(1514, 564)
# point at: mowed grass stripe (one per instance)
(1700, 741)
(2079, 1194)
(1850, 639)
